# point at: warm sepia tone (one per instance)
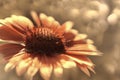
(98, 19)
(45, 47)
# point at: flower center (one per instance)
(43, 41)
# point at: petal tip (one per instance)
(43, 16)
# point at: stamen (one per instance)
(44, 41)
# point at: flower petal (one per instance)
(35, 18)
(91, 69)
(82, 41)
(82, 47)
(8, 50)
(65, 28)
(9, 66)
(68, 25)
(33, 69)
(10, 23)
(84, 69)
(18, 23)
(70, 35)
(46, 71)
(22, 21)
(44, 19)
(83, 53)
(68, 64)
(49, 22)
(22, 66)
(13, 62)
(18, 57)
(80, 59)
(8, 33)
(58, 70)
(31, 72)
(80, 36)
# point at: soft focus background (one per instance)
(99, 19)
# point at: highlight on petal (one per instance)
(9, 66)
(83, 53)
(33, 68)
(65, 27)
(80, 36)
(22, 66)
(84, 69)
(48, 21)
(68, 64)
(43, 19)
(8, 22)
(73, 31)
(83, 47)
(58, 70)
(35, 18)
(80, 59)
(42, 16)
(22, 21)
(91, 69)
(18, 57)
(31, 72)
(19, 23)
(13, 61)
(45, 71)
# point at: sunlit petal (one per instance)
(68, 25)
(35, 18)
(85, 70)
(33, 69)
(68, 64)
(13, 61)
(58, 70)
(22, 21)
(18, 57)
(91, 69)
(22, 66)
(9, 66)
(83, 47)
(83, 53)
(80, 60)
(80, 36)
(31, 72)
(65, 27)
(46, 71)
(43, 19)
(49, 22)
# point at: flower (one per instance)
(44, 47)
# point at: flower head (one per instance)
(43, 47)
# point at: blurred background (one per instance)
(99, 19)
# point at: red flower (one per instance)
(44, 47)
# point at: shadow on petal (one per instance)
(8, 50)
